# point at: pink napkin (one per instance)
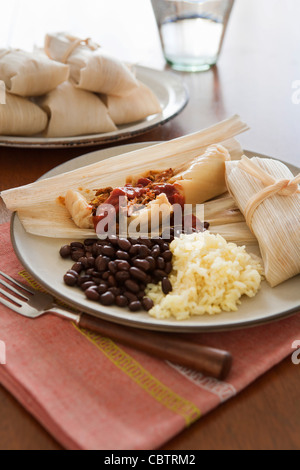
(92, 393)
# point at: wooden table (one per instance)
(255, 77)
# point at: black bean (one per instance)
(160, 263)
(96, 250)
(87, 285)
(122, 276)
(121, 301)
(83, 279)
(138, 274)
(96, 280)
(144, 251)
(142, 264)
(123, 255)
(77, 254)
(92, 294)
(132, 286)
(101, 263)
(108, 251)
(169, 267)
(146, 242)
(151, 262)
(113, 239)
(77, 245)
(96, 274)
(122, 265)
(91, 262)
(105, 275)
(141, 295)
(167, 255)
(134, 250)
(134, 241)
(165, 246)
(160, 274)
(115, 290)
(65, 251)
(77, 267)
(102, 288)
(83, 261)
(147, 303)
(124, 244)
(70, 280)
(112, 266)
(135, 306)
(90, 272)
(107, 299)
(166, 286)
(103, 242)
(111, 281)
(155, 251)
(130, 296)
(73, 273)
(89, 242)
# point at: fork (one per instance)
(32, 303)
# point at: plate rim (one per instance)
(104, 138)
(143, 324)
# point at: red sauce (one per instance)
(143, 187)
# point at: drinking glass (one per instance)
(192, 31)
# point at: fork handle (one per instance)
(168, 346)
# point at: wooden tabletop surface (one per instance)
(257, 76)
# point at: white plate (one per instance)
(40, 256)
(169, 89)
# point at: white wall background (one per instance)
(126, 28)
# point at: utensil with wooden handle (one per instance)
(175, 348)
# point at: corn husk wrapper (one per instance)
(222, 210)
(37, 203)
(75, 112)
(21, 117)
(135, 106)
(196, 182)
(275, 222)
(236, 232)
(2, 92)
(30, 73)
(91, 68)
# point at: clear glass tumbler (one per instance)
(192, 31)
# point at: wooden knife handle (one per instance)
(167, 346)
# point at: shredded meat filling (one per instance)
(147, 183)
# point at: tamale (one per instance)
(91, 68)
(21, 117)
(30, 73)
(268, 195)
(74, 112)
(135, 106)
(196, 181)
(37, 203)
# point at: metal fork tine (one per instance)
(9, 305)
(12, 289)
(12, 297)
(22, 286)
